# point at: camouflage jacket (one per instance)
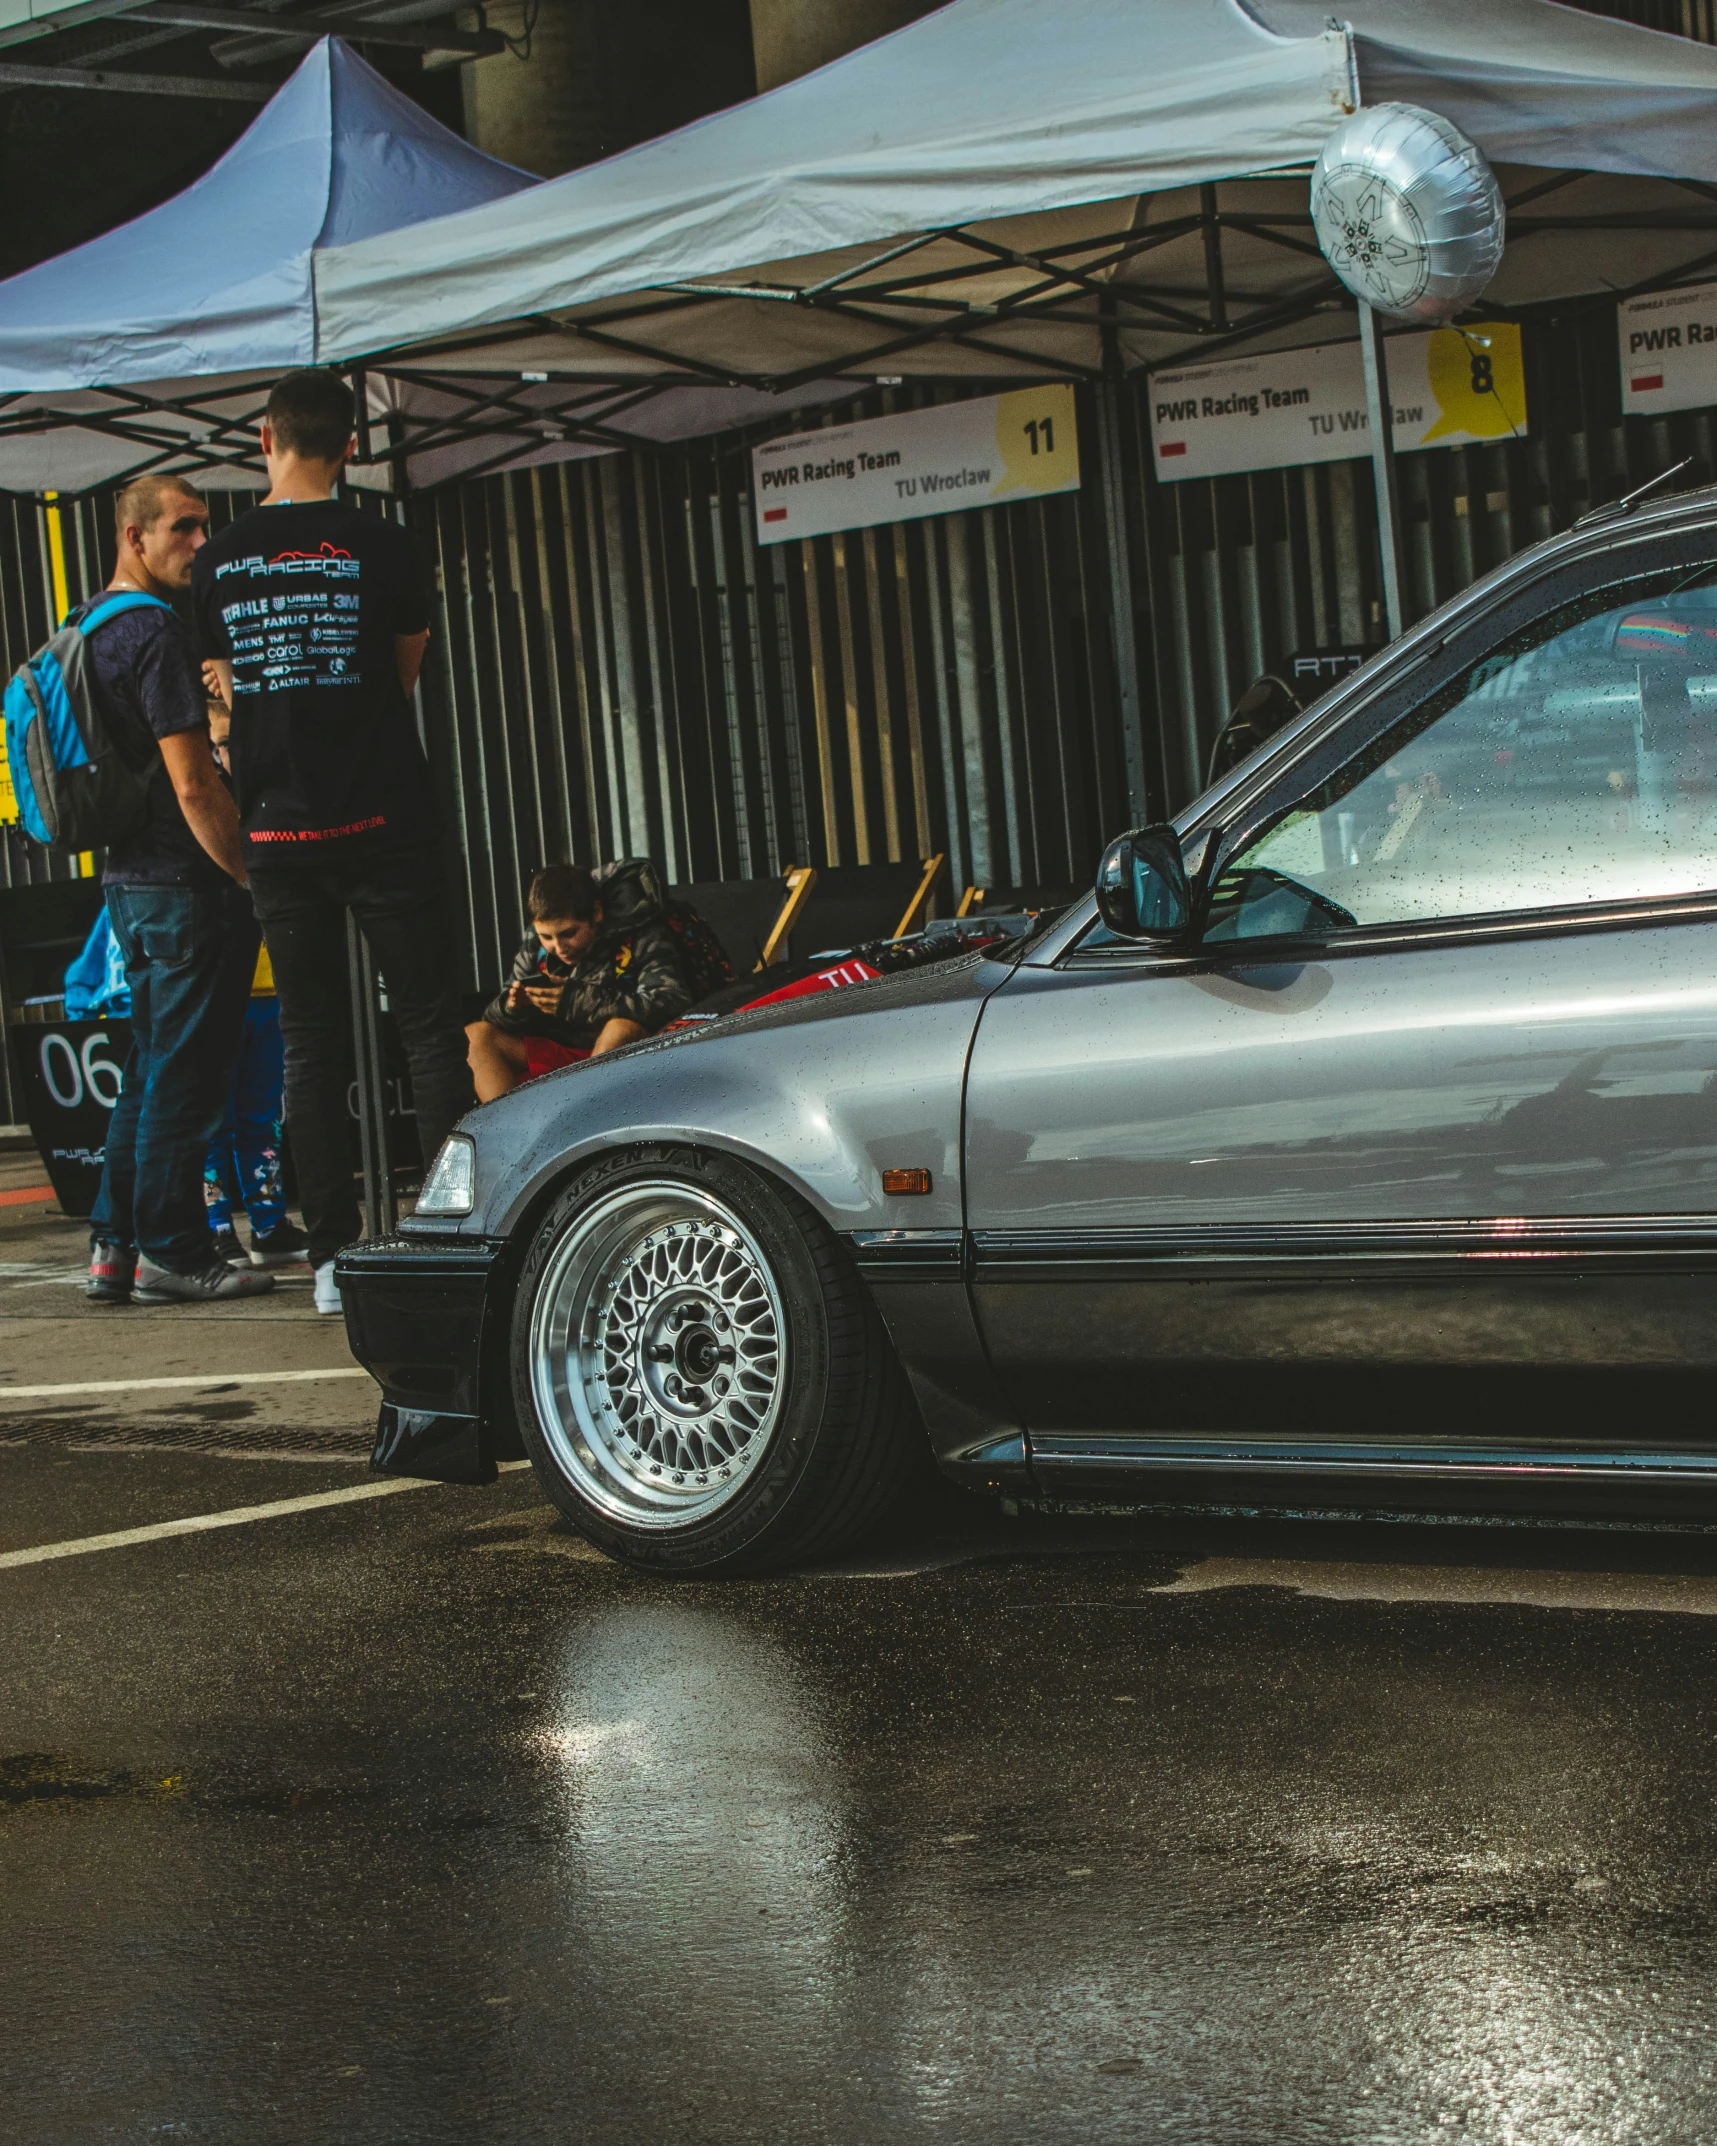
(634, 970)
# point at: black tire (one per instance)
(843, 1440)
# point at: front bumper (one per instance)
(428, 1319)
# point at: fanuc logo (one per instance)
(330, 562)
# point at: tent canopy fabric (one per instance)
(975, 194)
(1003, 189)
(217, 280)
(212, 290)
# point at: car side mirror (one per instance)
(1142, 889)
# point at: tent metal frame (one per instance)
(900, 306)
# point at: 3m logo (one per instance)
(1649, 380)
(1172, 447)
(775, 514)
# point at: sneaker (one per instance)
(228, 1250)
(327, 1289)
(215, 1285)
(111, 1270)
(274, 1247)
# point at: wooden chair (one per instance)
(1009, 901)
(801, 880)
(853, 903)
(756, 920)
(745, 914)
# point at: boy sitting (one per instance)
(603, 963)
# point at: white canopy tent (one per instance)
(1010, 188)
(1003, 189)
(154, 345)
(979, 194)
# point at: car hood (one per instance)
(821, 1092)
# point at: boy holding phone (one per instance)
(601, 964)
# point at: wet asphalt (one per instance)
(413, 1819)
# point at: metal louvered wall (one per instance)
(622, 668)
(1241, 570)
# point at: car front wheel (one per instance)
(703, 1383)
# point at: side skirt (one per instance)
(1133, 1474)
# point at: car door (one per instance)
(1418, 1143)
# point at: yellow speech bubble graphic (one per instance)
(1477, 381)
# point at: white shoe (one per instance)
(327, 1289)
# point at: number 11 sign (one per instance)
(984, 453)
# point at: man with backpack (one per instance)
(316, 618)
(174, 888)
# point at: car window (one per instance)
(1576, 763)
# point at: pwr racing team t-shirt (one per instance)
(305, 603)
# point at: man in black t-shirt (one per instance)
(316, 618)
(174, 893)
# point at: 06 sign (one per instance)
(70, 1074)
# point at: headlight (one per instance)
(450, 1187)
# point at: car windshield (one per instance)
(1575, 764)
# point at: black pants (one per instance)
(399, 903)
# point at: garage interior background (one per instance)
(618, 667)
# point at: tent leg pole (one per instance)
(1380, 415)
(361, 414)
(387, 1212)
(1112, 463)
(357, 972)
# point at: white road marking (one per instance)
(236, 1516)
(213, 1378)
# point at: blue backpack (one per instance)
(76, 787)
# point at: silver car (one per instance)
(1352, 1145)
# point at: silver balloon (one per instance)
(1408, 212)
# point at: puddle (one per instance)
(1673, 1594)
(52, 1777)
(539, 1531)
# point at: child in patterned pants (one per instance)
(243, 1167)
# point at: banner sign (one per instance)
(1668, 350)
(985, 453)
(69, 1074)
(1292, 406)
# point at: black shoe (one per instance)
(228, 1250)
(217, 1284)
(274, 1247)
(111, 1268)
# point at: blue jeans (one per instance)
(243, 1167)
(190, 953)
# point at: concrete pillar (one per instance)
(547, 112)
(790, 37)
(598, 75)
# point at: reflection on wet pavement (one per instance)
(1200, 1835)
(1679, 1594)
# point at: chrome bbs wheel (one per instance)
(657, 1353)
